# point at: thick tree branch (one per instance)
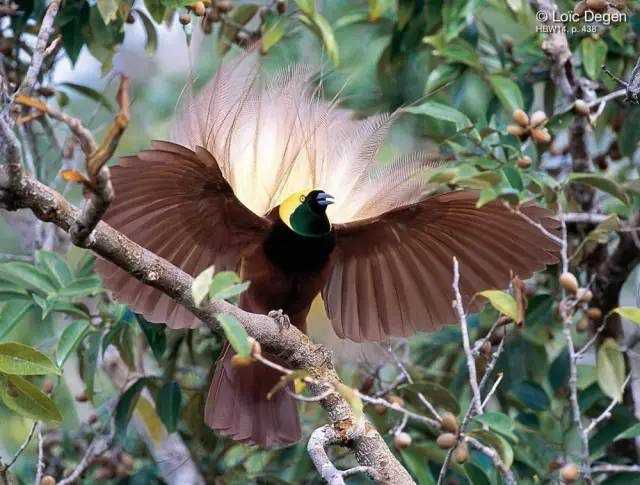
(20, 191)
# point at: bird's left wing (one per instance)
(392, 274)
(176, 203)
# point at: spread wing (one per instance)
(176, 203)
(393, 273)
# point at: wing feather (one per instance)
(404, 268)
(175, 202)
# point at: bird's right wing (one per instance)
(392, 274)
(175, 202)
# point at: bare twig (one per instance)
(316, 447)
(99, 445)
(611, 468)
(505, 472)
(584, 217)
(40, 465)
(46, 29)
(606, 414)
(23, 446)
(471, 364)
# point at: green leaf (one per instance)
(503, 302)
(507, 92)
(442, 112)
(532, 395)
(201, 284)
(89, 93)
(27, 400)
(10, 315)
(89, 353)
(601, 182)
(496, 442)
(274, 27)
(156, 8)
(321, 27)
(71, 336)
(168, 401)
(20, 359)
(27, 275)
(417, 465)
(498, 422)
(108, 9)
(629, 312)
(126, 405)
(55, 267)
(307, 6)
(88, 286)
(611, 369)
(236, 334)
(151, 44)
(594, 55)
(629, 433)
(441, 75)
(156, 336)
(434, 392)
(226, 285)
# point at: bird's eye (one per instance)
(302, 198)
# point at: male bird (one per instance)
(245, 186)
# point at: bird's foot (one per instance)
(281, 319)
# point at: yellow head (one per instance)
(304, 212)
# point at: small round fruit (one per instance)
(48, 480)
(184, 19)
(582, 325)
(486, 349)
(47, 386)
(597, 5)
(224, 5)
(516, 130)
(199, 9)
(281, 6)
(569, 282)
(584, 295)
(524, 162)
(569, 473)
(395, 399)
(256, 349)
(82, 397)
(461, 453)
(241, 361)
(380, 409)
(581, 107)
(447, 440)
(541, 135)
(127, 461)
(538, 118)
(594, 313)
(402, 440)
(520, 117)
(450, 422)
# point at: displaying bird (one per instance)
(266, 178)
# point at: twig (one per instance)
(542, 229)
(592, 340)
(606, 414)
(507, 475)
(40, 465)
(492, 390)
(316, 447)
(99, 445)
(611, 468)
(23, 446)
(471, 365)
(46, 29)
(584, 217)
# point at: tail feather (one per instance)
(237, 405)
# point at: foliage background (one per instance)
(460, 68)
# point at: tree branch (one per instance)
(291, 345)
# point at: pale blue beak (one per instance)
(325, 199)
